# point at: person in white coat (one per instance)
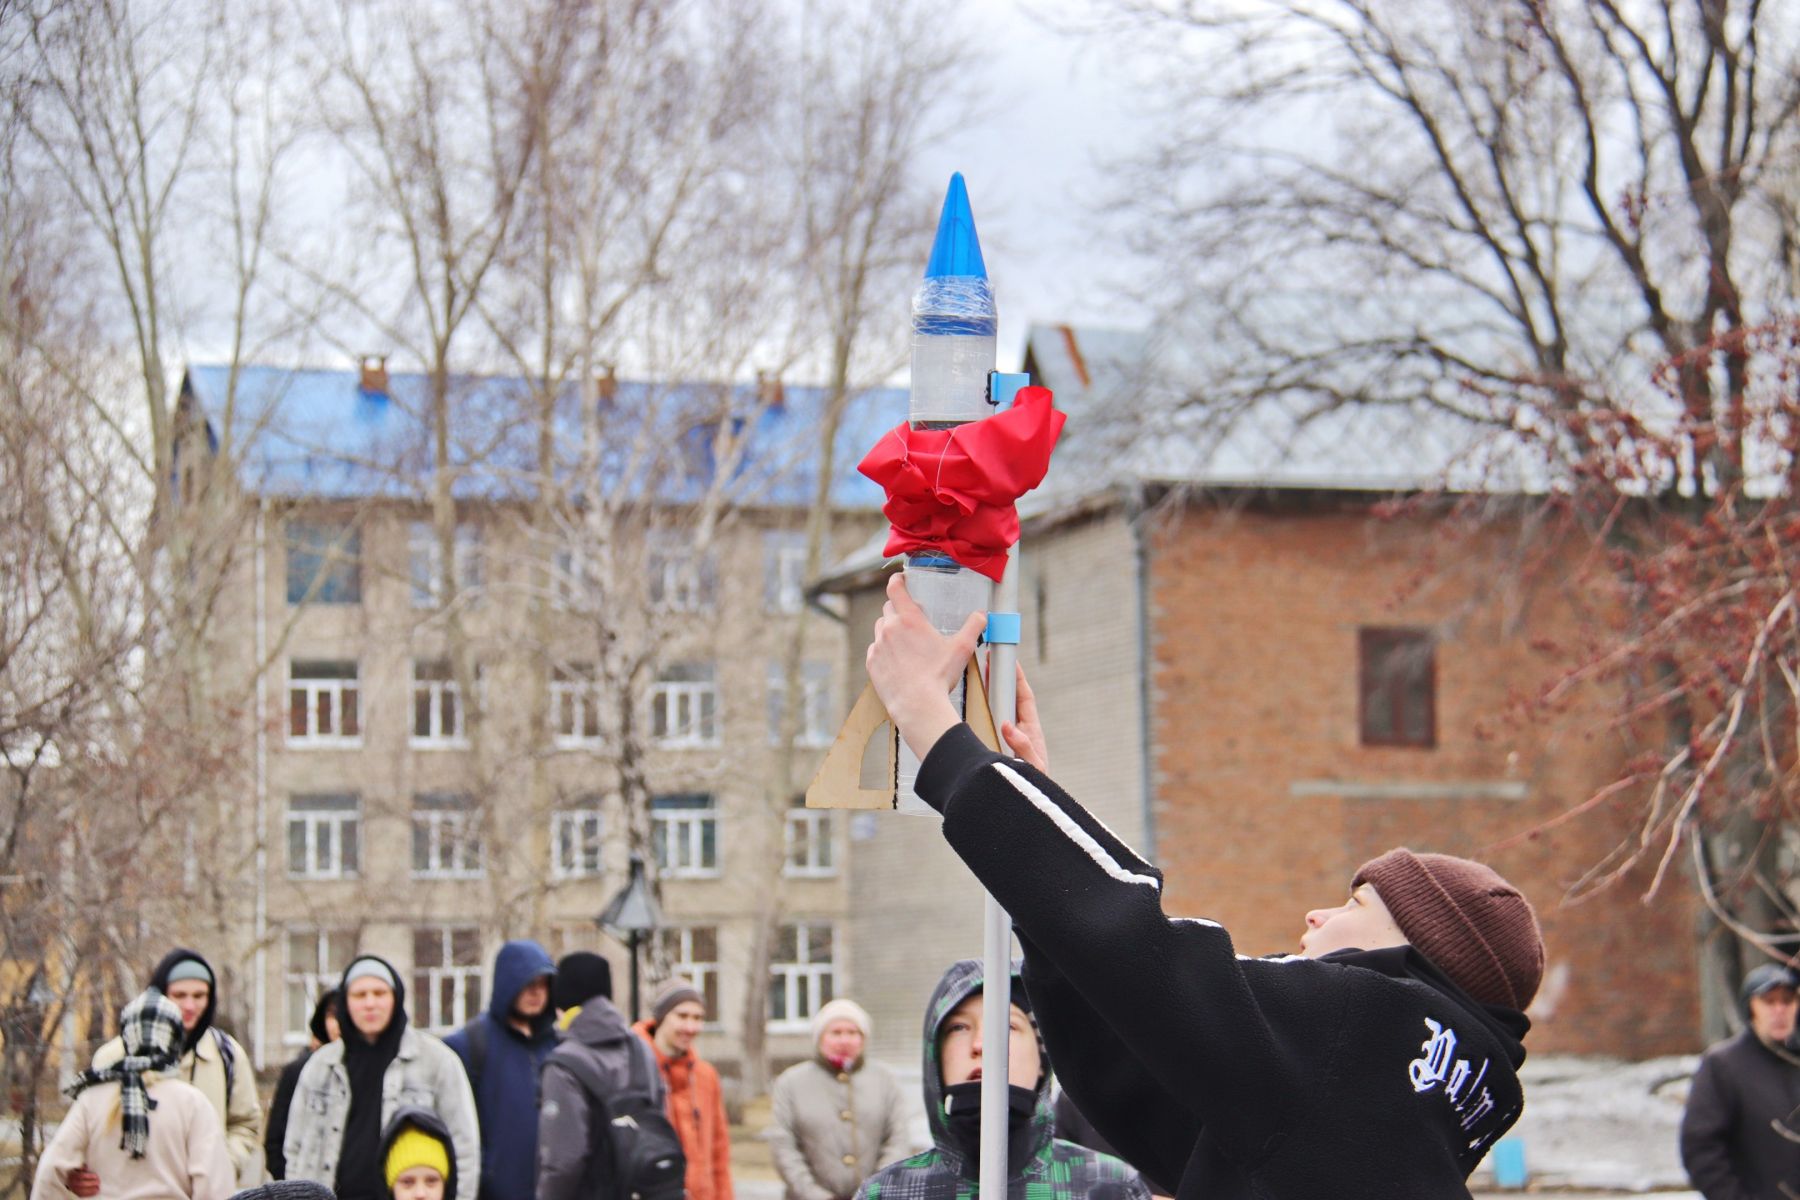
(136, 1131)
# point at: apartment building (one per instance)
(437, 773)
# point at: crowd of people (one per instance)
(1381, 1062)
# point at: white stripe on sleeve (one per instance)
(1070, 829)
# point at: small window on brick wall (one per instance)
(1398, 687)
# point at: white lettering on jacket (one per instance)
(1438, 1064)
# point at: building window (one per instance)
(574, 584)
(425, 555)
(323, 704)
(446, 983)
(800, 975)
(316, 958)
(684, 835)
(784, 570)
(808, 843)
(817, 713)
(575, 842)
(324, 563)
(574, 705)
(682, 579)
(446, 836)
(1398, 671)
(684, 706)
(438, 717)
(324, 836)
(693, 953)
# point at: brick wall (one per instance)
(1266, 801)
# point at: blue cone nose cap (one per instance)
(956, 250)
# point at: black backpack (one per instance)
(636, 1153)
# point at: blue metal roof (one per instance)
(316, 433)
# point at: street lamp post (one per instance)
(629, 916)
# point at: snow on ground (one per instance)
(1602, 1124)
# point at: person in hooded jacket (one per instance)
(211, 1059)
(502, 1049)
(1038, 1166)
(323, 1028)
(136, 1129)
(1378, 1064)
(836, 1117)
(418, 1156)
(350, 1090)
(585, 1070)
(696, 1101)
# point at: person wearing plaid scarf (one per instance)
(142, 1135)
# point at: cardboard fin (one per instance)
(838, 782)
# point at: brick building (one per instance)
(1253, 674)
(393, 812)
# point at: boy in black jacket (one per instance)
(1380, 1064)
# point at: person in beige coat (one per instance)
(837, 1118)
(134, 1132)
(211, 1059)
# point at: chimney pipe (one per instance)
(374, 372)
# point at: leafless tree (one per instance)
(130, 137)
(886, 80)
(1571, 224)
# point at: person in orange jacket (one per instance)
(696, 1103)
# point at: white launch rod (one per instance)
(996, 968)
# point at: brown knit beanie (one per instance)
(672, 993)
(1473, 925)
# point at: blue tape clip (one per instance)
(1002, 629)
(1004, 385)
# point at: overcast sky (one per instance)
(1034, 170)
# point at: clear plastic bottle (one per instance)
(954, 326)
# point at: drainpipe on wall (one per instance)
(1140, 537)
(259, 1052)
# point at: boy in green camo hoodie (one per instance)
(1038, 1166)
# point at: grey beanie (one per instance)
(190, 968)
(370, 967)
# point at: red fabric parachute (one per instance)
(953, 491)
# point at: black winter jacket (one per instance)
(1365, 1075)
(1728, 1143)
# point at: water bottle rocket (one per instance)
(954, 328)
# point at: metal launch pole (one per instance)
(996, 969)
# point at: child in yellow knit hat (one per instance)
(417, 1158)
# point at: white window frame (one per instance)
(328, 864)
(585, 828)
(451, 825)
(573, 687)
(803, 979)
(425, 562)
(818, 725)
(679, 577)
(681, 835)
(809, 831)
(469, 994)
(685, 710)
(572, 580)
(438, 690)
(331, 690)
(313, 979)
(702, 973)
(784, 567)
